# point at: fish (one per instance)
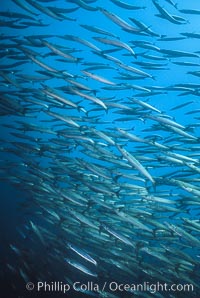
(98, 30)
(175, 53)
(143, 27)
(191, 35)
(166, 121)
(190, 11)
(81, 253)
(42, 64)
(83, 219)
(16, 15)
(37, 232)
(127, 5)
(172, 3)
(99, 147)
(44, 10)
(165, 15)
(118, 235)
(59, 52)
(80, 267)
(119, 21)
(135, 163)
(82, 41)
(98, 78)
(64, 118)
(146, 45)
(50, 92)
(25, 7)
(89, 97)
(103, 136)
(182, 233)
(135, 70)
(116, 43)
(183, 133)
(135, 222)
(84, 5)
(9, 80)
(144, 104)
(34, 24)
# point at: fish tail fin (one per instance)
(153, 185)
(154, 232)
(62, 219)
(117, 177)
(163, 35)
(118, 193)
(79, 60)
(94, 92)
(153, 78)
(100, 228)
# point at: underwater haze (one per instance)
(100, 148)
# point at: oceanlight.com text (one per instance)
(112, 286)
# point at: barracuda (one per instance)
(118, 236)
(119, 21)
(81, 267)
(135, 163)
(135, 222)
(98, 78)
(116, 43)
(81, 253)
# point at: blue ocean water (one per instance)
(36, 177)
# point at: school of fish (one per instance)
(100, 130)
